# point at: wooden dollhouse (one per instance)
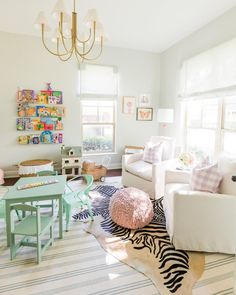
(71, 160)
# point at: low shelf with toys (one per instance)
(42, 111)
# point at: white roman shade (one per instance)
(212, 71)
(98, 81)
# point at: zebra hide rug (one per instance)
(148, 250)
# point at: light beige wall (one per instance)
(25, 63)
(220, 30)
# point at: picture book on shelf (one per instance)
(20, 126)
(28, 124)
(25, 95)
(30, 111)
(55, 98)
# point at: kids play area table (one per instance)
(53, 191)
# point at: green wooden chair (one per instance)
(47, 173)
(75, 198)
(2, 209)
(33, 225)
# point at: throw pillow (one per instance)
(153, 152)
(206, 179)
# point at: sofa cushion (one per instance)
(206, 179)
(141, 169)
(153, 152)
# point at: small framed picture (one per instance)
(128, 104)
(144, 114)
(144, 100)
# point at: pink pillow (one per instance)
(153, 152)
(206, 179)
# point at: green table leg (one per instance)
(60, 213)
(8, 220)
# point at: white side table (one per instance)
(177, 176)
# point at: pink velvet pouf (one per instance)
(131, 208)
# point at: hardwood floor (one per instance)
(110, 173)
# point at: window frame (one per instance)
(219, 129)
(113, 124)
(86, 97)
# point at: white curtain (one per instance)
(211, 71)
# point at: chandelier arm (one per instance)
(69, 53)
(89, 37)
(78, 57)
(92, 45)
(100, 53)
(45, 45)
(63, 38)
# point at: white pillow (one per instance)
(153, 152)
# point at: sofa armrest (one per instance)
(128, 159)
(158, 175)
(177, 176)
(200, 218)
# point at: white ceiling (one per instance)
(150, 25)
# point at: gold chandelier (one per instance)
(66, 35)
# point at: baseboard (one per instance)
(14, 173)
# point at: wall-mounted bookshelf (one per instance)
(42, 111)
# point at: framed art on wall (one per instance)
(128, 104)
(144, 100)
(144, 114)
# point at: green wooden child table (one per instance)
(41, 193)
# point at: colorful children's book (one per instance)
(21, 110)
(43, 111)
(27, 95)
(30, 111)
(20, 126)
(28, 124)
(55, 98)
(23, 139)
(46, 137)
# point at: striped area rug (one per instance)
(78, 265)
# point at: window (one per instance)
(98, 92)
(210, 126)
(208, 87)
(98, 126)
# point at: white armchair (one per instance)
(145, 176)
(201, 221)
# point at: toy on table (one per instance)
(97, 171)
(36, 184)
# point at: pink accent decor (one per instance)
(153, 152)
(206, 179)
(1, 177)
(131, 208)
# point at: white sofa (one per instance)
(145, 176)
(201, 221)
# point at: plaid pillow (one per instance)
(153, 152)
(206, 179)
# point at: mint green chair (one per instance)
(47, 173)
(78, 197)
(2, 210)
(33, 225)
